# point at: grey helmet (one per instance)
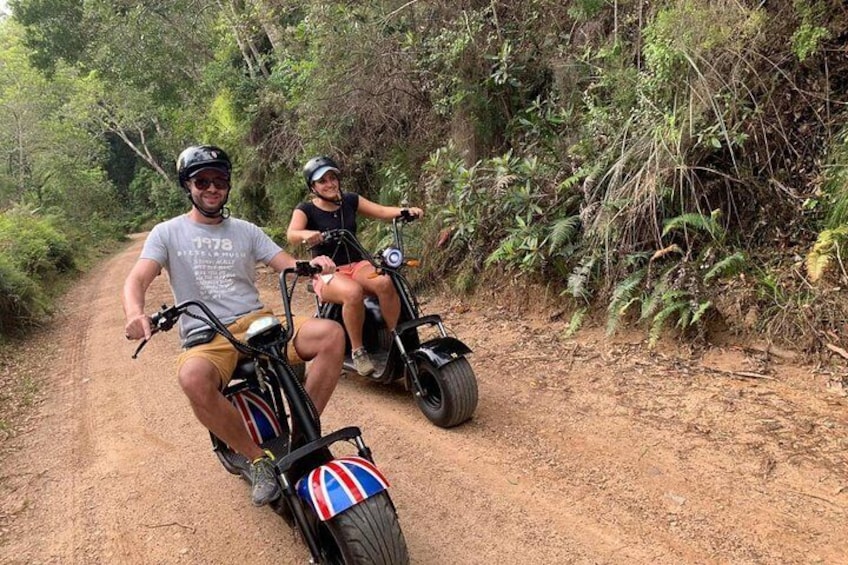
(317, 167)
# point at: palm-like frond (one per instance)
(697, 222)
(563, 232)
(730, 265)
(576, 321)
(827, 245)
(623, 298)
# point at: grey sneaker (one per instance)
(362, 363)
(264, 481)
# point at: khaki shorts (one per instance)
(221, 353)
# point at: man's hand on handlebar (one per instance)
(138, 327)
(325, 263)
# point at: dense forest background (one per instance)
(679, 164)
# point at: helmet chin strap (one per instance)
(337, 200)
(222, 212)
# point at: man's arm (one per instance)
(135, 287)
(280, 261)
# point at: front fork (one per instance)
(408, 360)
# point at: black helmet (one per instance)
(198, 157)
(317, 167)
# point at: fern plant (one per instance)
(828, 247)
(697, 222)
(730, 265)
(578, 285)
(625, 294)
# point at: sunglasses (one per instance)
(204, 184)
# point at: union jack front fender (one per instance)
(340, 484)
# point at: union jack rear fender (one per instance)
(258, 415)
(334, 487)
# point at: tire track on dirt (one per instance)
(62, 441)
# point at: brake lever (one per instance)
(139, 348)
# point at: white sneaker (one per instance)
(362, 362)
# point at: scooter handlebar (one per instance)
(307, 269)
(407, 216)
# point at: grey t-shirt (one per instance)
(214, 264)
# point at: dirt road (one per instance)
(584, 450)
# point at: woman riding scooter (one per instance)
(330, 209)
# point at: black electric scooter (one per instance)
(435, 367)
(340, 505)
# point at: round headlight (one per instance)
(393, 257)
(261, 326)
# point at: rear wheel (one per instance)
(368, 533)
(451, 392)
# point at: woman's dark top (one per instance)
(321, 220)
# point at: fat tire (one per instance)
(384, 339)
(451, 392)
(368, 533)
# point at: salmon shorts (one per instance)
(348, 270)
(221, 353)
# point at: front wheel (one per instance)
(368, 533)
(451, 392)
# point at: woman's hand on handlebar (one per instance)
(314, 239)
(413, 213)
(138, 327)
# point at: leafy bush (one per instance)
(21, 300)
(164, 199)
(34, 255)
(34, 245)
(809, 36)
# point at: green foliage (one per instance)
(163, 199)
(54, 30)
(576, 321)
(669, 289)
(278, 234)
(809, 36)
(33, 253)
(728, 266)
(34, 245)
(694, 221)
(624, 296)
(21, 300)
(585, 10)
(835, 182)
(498, 206)
(575, 143)
(807, 40)
(579, 280)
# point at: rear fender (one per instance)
(441, 351)
(340, 484)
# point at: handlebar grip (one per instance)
(406, 215)
(164, 319)
(305, 269)
(331, 235)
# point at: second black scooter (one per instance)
(420, 352)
